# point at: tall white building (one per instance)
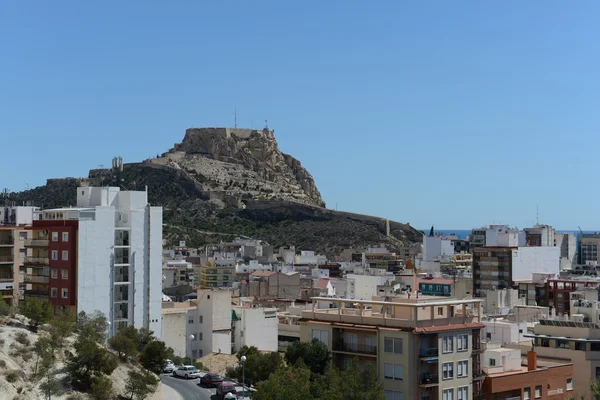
(119, 256)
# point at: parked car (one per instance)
(225, 387)
(187, 372)
(211, 380)
(169, 366)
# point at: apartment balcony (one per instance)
(39, 261)
(7, 259)
(478, 348)
(121, 278)
(37, 278)
(121, 297)
(36, 242)
(122, 260)
(429, 380)
(121, 315)
(358, 348)
(7, 242)
(6, 293)
(37, 293)
(429, 353)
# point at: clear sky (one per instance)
(453, 113)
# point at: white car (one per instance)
(187, 372)
(169, 366)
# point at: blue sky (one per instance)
(456, 114)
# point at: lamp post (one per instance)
(243, 361)
(192, 337)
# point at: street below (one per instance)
(190, 389)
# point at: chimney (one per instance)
(531, 361)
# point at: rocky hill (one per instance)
(219, 183)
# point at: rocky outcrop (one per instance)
(218, 153)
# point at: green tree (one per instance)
(361, 384)
(93, 326)
(291, 383)
(146, 336)
(91, 360)
(44, 350)
(51, 386)
(5, 308)
(314, 354)
(258, 366)
(154, 355)
(140, 384)
(61, 327)
(102, 388)
(38, 311)
(125, 342)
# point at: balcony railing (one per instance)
(478, 375)
(7, 241)
(121, 297)
(121, 260)
(429, 379)
(37, 278)
(555, 391)
(37, 242)
(6, 259)
(429, 352)
(355, 347)
(36, 260)
(36, 293)
(121, 278)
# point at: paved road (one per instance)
(191, 389)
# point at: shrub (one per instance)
(12, 375)
(22, 338)
(2, 364)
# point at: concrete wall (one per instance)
(504, 332)
(174, 329)
(527, 260)
(215, 308)
(365, 286)
(259, 327)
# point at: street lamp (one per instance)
(192, 337)
(243, 361)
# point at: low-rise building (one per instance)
(217, 273)
(507, 379)
(420, 348)
(255, 326)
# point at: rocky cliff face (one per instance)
(243, 162)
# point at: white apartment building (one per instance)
(255, 326)
(504, 236)
(365, 286)
(214, 320)
(503, 331)
(119, 256)
(437, 248)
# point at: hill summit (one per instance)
(219, 183)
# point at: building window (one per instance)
(200, 336)
(527, 394)
(463, 369)
(492, 362)
(393, 395)
(462, 393)
(64, 293)
(55, 236)
(200, 319)
(190, 320)
(569, 383)
(393, 371)
(64, 273)
(65, 255)
(54, 255)
(65, 236)
(393, 345)
(440, 310)
(53, 292)
(53, 273)
(447, 344)
(447, 370)
(462, 342)
(323, 336)
(23, 236)
(538, 392)
(448, 394)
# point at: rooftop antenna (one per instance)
(537, 214)
(235, 117)
(266, 125)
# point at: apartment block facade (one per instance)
(13, 236)
(105, 254)
(421, 349)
